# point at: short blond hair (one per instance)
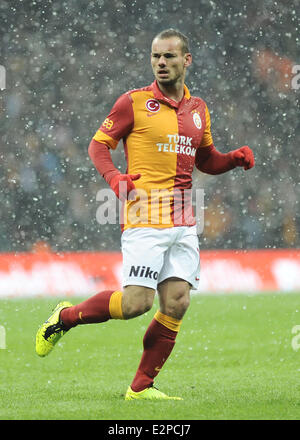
(169, 33)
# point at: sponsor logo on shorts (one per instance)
(143, 271)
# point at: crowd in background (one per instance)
(67, 62)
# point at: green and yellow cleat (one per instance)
(151, 393)
(51, 331)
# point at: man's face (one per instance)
(168, 61)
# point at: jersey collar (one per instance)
(161, 97)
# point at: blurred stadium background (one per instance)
(66, 63)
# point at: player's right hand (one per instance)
(243, 157)
(123, 186)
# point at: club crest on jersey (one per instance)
(152, 105)
(197, 120)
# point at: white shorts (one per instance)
(151, 255)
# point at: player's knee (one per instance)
(139, 307)
(184, 302)
(137, 301)
(181, 304)
(178, 305)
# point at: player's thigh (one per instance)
(182, 260)
(143, 251)
(174, 297)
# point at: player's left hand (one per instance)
(243, 157)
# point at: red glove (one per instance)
(122, 185)
(243, 157)
(102, 160)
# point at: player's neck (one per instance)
(174, 91)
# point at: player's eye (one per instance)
(166, 55)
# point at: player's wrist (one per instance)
(112, 177)
(232, 158)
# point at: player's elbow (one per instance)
(206, 170)
(97, 151)
(92, 148)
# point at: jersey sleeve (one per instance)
(207, 136)
(118, 123)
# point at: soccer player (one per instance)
(165, 132)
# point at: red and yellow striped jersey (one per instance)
(160, 139)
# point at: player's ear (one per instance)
(187, 59)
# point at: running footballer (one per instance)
(166, 132)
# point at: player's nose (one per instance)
(162, 61)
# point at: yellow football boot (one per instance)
(150, 393)
(51, 331)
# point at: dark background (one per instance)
(67, 62)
